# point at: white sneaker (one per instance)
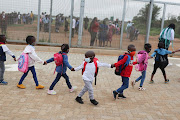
(51, 92)
(141, 88)
(133, 83)
(73, 89)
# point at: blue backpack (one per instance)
(119, 69)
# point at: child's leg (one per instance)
(156, 65)
(67, 80)
(164, 73)
(90, 89)
(23, 77)
(2, 69)
(85, 89)
(34, 75)
(124, 86)
(143, 78)
(58, 76)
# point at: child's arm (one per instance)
(121, 62)
(65, 61)
(103, 64)
(34, 56)
(7, 51)
(50, 60)
(79, 67)
(154, 53)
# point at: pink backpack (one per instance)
(23, 62)
(58, 59)
(142, 63)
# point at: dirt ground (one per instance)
(19, 32)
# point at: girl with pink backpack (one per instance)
(142, 62)
(26, 62)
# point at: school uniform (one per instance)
(88, 77)
(3, 51)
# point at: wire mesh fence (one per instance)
(102, 22)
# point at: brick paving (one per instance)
(158, 101)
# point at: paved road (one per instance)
(158, 101)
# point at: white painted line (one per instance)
(178, 65)
(11, 67)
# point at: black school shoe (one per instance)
(94, 102)
(114, 94)
(121, 96)
(79, 100)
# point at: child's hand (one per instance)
(45, 63)
(112, 65)
(72, 69)
(14, 59)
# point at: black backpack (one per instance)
(163, 60)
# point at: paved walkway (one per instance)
(158, 101)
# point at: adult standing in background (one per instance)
(73, 26)
(31, 17)
(167, 35)
(86, 21)
(129, 24)
(93, 29)
(3, 22)
(46, 23)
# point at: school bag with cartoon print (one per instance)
(23, 62)
(119, 69)
(141, 65)
(96, 66)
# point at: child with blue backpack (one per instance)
(161, 60)
(142, 63)
(30, 50)
(61, 68)
(3, 51)
(124, 68)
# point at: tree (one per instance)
(142, 16)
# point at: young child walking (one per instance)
(159, 54)
(143, 61)
(3, 51)
(30, 50)
(89, 67)
(61, 70)
(126, 72)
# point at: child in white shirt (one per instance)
(88, 75)
(32, 59)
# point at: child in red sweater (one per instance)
(126, 72)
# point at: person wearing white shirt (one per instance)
(3, 51)
(73, 26)
(30, 50)
(129, 24)
(167, 35)
(88, 75)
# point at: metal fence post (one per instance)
(163, 17)
(38, 25)
(149, 21)
(71, 21)
(122, 26)
(50, 22)
(81, 22)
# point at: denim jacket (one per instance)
(65, 64)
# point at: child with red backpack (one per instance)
(89, 69)
(142, 62)
(124, 68)
(61, 61)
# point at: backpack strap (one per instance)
(85, 63)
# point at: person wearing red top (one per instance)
(125, 73)
(93, 30)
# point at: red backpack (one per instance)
(58, 59)
(96, 66)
